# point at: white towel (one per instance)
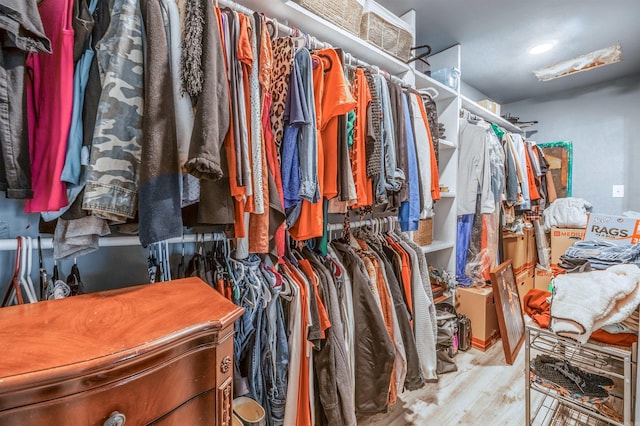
(584, 302)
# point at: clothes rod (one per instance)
(313, 41)
(360, 223)
(11, 244)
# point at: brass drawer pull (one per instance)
(115, 419)
(225, 365)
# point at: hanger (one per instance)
(180, 272)
(24, 265)
(421, 57)
(299, 41)
(30, 287)
(328, 59)
(44, 275)
(272, 28)
(430, 91)
(13, 290)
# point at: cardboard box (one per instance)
(562, 239)
(616, 229)
(477, 303)
(525, 282)
(490, 105)
(521, 249)
(542, 279)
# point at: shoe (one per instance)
(602, 381)
(249, 411)
(557, 376)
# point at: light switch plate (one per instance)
(618, 191)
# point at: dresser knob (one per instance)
(225, 365)
(115, 419)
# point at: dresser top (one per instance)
(107, 326)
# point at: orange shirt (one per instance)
(336, 100)
(325, 323)
(406, 273)
(364, 184)
(435, 178)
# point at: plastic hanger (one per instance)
(180, 272)
(23, 271)
(44, 275)
(13, 290)
(31, 291)
(431, 91)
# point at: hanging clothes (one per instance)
(159, 209)
(24, 35)
(49, 90)
(112, 182)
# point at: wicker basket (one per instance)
(424, 235)
(387, 31)
(344, 13)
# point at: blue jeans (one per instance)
(247, 379)
(276, 352)
(602, 254)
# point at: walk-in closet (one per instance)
(319, 212)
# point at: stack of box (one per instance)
(522, 251)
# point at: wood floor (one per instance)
(484, 391)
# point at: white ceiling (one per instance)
(496, 34)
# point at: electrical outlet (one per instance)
(618, 191)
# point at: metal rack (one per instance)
(619, 364)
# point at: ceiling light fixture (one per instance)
(599, 58)
(542, 47)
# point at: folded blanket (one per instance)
(586, 301)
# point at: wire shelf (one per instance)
(553, 411)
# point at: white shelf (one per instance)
(443, 143)
(323, 30)
(448, 194)
(476, 109)
(437, 245)
(445, 92)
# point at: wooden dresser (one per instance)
(158, 354)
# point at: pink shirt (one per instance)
(49, 106)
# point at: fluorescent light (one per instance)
(609, 55)
(542, 47)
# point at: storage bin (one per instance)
(386, 30)
(447, 76)
(344, 13)
(424, 235)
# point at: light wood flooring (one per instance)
(484, 391)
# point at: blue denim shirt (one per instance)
(409, 213)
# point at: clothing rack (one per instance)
(11, 244)
(311, 40)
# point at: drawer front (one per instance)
(199, 411)
(142, 397)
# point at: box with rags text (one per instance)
(616, 229)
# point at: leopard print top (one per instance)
(281, 71)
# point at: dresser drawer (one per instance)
(142, 397)
(199, 411)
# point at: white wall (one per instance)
(603, 122)
(472, 93)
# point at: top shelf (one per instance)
(476, 109)
(316, 26)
